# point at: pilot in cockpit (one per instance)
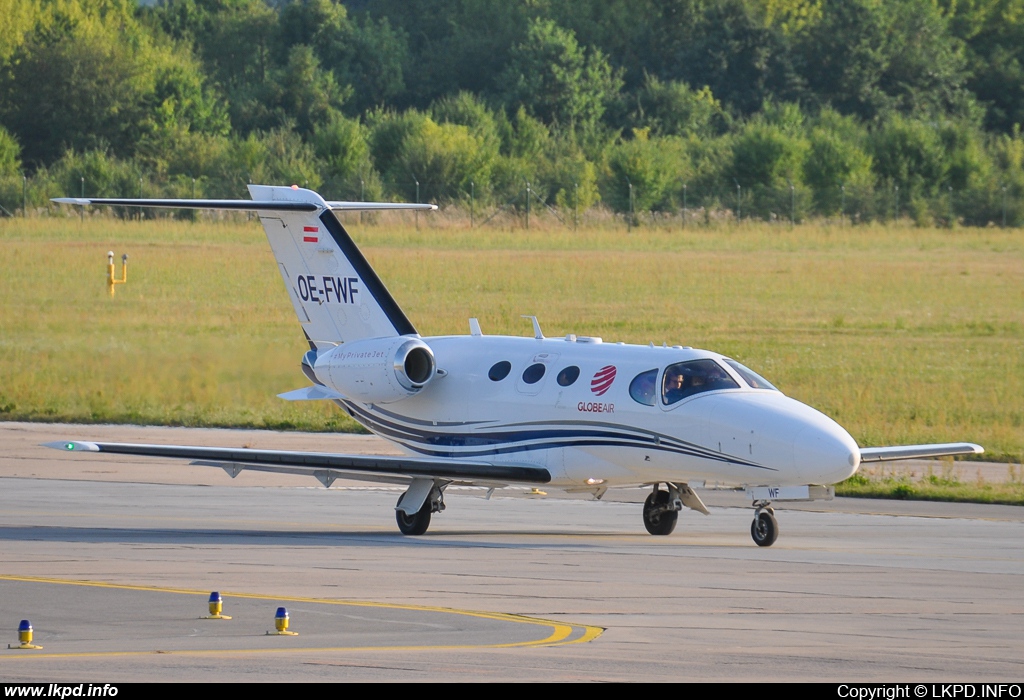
(673, 385)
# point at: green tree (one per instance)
(95, 85)
(672, 108)
(836, 159)
(869, 57)
(648, 169)
(341, 145)
(766, 155)
(10, 154)
(728, 46)
(909, 153)
(556, 80)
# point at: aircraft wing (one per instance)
(324, 466)
(888, 454)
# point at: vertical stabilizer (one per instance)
(336, 294)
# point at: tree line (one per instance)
(776, 108)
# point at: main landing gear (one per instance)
(661, 512)
(417, 522)
(661, 509)
(765, 528)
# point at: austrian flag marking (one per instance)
(306, 230)
(602, 380)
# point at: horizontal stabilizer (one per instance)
(310, 393)
(379, 206)
(888, 454)
(244, 204)
(311, 463)
(230, 204)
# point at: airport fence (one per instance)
(619, 204)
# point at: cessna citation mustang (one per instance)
(574, 413)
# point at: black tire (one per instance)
(765, 529)
(415, 524)
(662, 523)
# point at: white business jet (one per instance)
(575, 413)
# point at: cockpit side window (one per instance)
(694, 377)
(752, 378)
(643, 388)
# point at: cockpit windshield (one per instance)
(752, 378)
(688, 378)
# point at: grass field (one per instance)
(903, 335)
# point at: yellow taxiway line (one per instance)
(560, 632)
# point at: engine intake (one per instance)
(377, 370)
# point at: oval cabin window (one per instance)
(500, 370)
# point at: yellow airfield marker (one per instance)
(216, 606)
(24, 637)
(281, 623)
(111, 280)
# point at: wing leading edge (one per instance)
(889, 454)
(323, 465)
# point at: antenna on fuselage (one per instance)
(536, 327)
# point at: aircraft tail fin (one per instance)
(337, 296)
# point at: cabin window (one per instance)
(697, 376)
(752, 378)
(534, 373)
(500, 370)
(643, 387)
(568, 376)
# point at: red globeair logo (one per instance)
(602, 380)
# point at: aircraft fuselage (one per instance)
(597, 414)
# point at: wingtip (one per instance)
(72, 446)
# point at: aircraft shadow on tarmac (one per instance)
(276, 538)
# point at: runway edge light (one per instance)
(24, 637)
(281, 623)
(216, 606)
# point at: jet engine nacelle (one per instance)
(377, 370)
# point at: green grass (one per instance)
(936, 488)
(903, 335)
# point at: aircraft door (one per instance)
(533, 378)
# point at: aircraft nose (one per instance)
(800, 443)
(824, 453)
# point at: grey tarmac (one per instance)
(521, 587)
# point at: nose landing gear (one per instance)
(765, 528)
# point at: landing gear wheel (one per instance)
(657, 520)
(415, 524)
(764, 529)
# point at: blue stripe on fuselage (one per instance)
(505, 442)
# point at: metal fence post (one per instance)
(575, 204)
(792, 204)
(527, 205)
(739, 210)
(684, 205)
(842, 206)
(1004, 206)
(629, 221)
(952, 210)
